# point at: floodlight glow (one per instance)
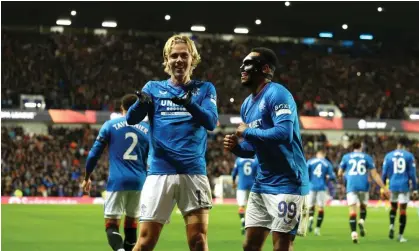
(197, 28)
(241, 30)
(63, 22)
(110, 24)
(326, 34)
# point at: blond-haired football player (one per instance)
(180, 111)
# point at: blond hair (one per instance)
(176, 39)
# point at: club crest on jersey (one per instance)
(195, 91)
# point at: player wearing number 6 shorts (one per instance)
(246, 169)
(355, 166)
(128, 149)
(270, 129)
(320, 170)
(399, 167)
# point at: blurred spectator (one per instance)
(84, 71)
(53, 164)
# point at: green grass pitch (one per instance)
(81, 228)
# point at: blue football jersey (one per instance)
(399, 167)
(274, 135)
(246, 169)
(318, 168)
(179, 138)
(356, 166)
(128, 148)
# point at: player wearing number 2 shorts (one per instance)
(270, 129)
(246, 169)
(128, 148)
(355, 166)
(400, 168)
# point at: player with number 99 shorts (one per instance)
(270, 129)
(128, 151)
(356, 166)
(400, 168)
(180, 111)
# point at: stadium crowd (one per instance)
(85, 71)
(53, 164)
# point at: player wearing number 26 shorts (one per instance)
(355, 167)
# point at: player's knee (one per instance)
(198, 241)
(394, 206)
(251, 246)
(147, 242)
(148, 238)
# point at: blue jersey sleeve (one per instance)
(412, 172)
(282, 109)
(244, 150)
(370, 162)
(343, 163)
(310, 172)
(97, 149)
(385, 170)
(234, 172)
(206, 113)
(137, 112)
(330, 171)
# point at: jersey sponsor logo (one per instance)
(175, 113)
(166, 102)
(282, 109)
(255, 124)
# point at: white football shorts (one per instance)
(353, 198)
(402, 198)
(162, 192)
(119, 202)
(284, 213)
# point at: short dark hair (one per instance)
(356, 144)
(268, 55)
(128, 100)
(404, 141)
(322, 150)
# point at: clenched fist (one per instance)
(230, 141)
